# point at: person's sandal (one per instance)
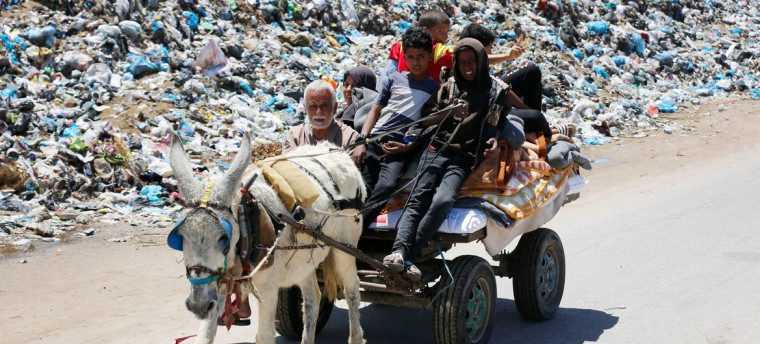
(394, 262)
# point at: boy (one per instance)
(404, 98)
(436, 23)
(525, 79)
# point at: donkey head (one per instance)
(205, 233)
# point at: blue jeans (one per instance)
(440, 174)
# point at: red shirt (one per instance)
(442, 57)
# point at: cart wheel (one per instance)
(540, 274)
(463, 313)
(289, 319)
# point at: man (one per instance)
(320, 104)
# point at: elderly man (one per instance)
(320, 104)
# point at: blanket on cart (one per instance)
(517, 188)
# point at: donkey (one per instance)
(209, 233)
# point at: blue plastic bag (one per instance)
(598, 27)
(600, 71)
(186, 129)
(9, 48)
(71, 131)
(402, 26)
(9, 93)
(619, 60)
(140, 66)
(246, 87)
(41, 37)
(755, 93)
(665, 58)
(578, 54)
(508, 35)
(667, 105)
(638, 43)
(191, 19)
(153, 193)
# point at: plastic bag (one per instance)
(140, 66)
(598, 28)
(211, 60)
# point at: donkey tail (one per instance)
(330, 277)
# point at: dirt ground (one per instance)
(93, 290)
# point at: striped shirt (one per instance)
(402, 100)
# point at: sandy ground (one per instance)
(661, 248)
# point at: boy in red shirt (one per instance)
(436, 23)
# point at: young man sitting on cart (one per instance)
(405, 98)
(456, 146)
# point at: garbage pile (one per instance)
(90, 90)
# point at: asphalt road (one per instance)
(661, 248)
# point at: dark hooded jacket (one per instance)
(487, 100)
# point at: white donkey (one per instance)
(209, 232)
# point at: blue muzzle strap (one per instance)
(210, 278)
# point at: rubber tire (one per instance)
(449, 308)
(289, 317)
(530, 250)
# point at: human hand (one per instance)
(394, 147)
(516, 51)
(358, 153)
(493, 145)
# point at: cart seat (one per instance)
(465, 222)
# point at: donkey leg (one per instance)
(311, 299)
(267, 310)
(208, 326)
(346, 269)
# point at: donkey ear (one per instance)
(231, 180)
(188, 186)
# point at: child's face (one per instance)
(418, 61)
(348, 85)
(467, 64)
(439, 33)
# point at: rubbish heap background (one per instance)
(89, 90)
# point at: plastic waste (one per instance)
(755, 93)
(349, 10)
(75, 61)
(131, 29)
(139, 66)
(620, 61)
(211, 60)
(153, 194)
(667, 105)
(191, 19)
(71, 131)
(598, 27)
(638, 43)
(41, 37)
(98, 72)
(601, 71)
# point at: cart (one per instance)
(461, 291)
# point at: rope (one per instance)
(397, 129)
(260, 264)
(448, 271)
